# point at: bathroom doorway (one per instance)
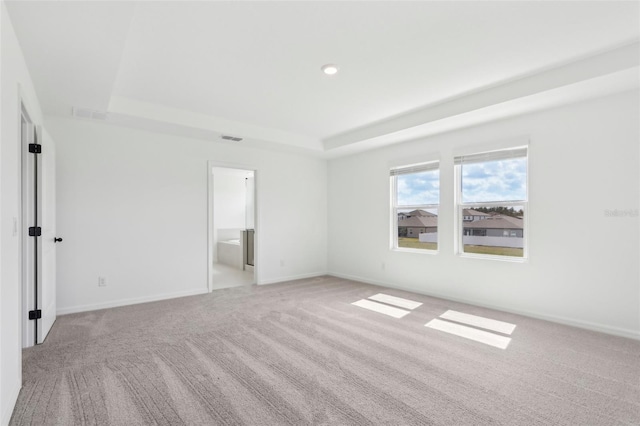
(232, 208)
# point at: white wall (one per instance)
(132, 206)
(229, 204)
(229, 197)
(15, 82)
(583, 267)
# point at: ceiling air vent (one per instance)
(89, 114)
(231, 138)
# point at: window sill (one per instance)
(512, 259)
(410, 250)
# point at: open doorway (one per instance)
(232, 227)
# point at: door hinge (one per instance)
(35, 231)
(35, 315)
(35, 148)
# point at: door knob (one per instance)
(57, 240)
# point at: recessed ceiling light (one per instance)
(330, 69)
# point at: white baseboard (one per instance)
(132, 301)
(292, 278)
(616, 331)
(11, 403)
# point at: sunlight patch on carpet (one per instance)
(395, 301)
(470, 333)
(480, 322)
(380, 308)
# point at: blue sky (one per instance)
(503, 180)
(419, 188)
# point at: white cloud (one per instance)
(419, 188)
(503, 180)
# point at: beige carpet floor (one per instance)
(299, 353)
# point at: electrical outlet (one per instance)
(382, 266)
(102, 281)
(282, 263)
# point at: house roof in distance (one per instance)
(471, 212)
(419, 222)
(422, 213)
(496, 222)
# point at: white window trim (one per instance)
(393, 240)
(460, 206)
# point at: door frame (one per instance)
(210, 223)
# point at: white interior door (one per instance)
(28, 242)
(47, 291)
(38, 246)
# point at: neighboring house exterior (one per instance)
(422, 213)
(495, 226)
(413, 226)
(470, 215)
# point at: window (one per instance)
(415, 193)
(492, 189)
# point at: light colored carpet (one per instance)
(299, 353)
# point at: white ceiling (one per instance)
(254, 67)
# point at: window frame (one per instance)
(460, 206)
(395, 207)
